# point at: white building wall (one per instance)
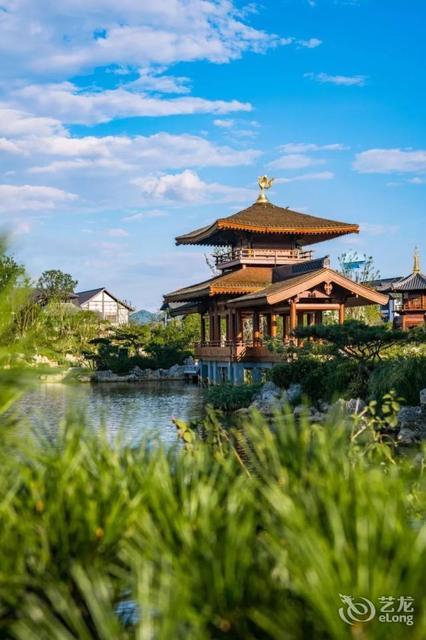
(107, 308)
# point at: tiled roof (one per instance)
(413, 282)
(267, 218)
(235, 282)
(281, 291)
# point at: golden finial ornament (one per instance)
(416, 265)
(264, 183)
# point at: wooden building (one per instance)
(412, 312)
(105, 304)
(268, 279)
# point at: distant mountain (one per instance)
(145, 317)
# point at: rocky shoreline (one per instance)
(411, 427)
(76, 374)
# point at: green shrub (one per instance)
(407, 376)
(228, 397)
(320, 379)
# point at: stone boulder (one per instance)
(176, 372)
(110, 376)
(294, 393)
(412, 422)
(269, 398)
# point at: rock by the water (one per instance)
(354, 406)
(407, 437)
(269, 398)
(294, 392)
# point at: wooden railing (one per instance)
(415, 304)
(274, 256)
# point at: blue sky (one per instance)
(125, 124)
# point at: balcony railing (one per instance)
(413, 305)
(263, 256)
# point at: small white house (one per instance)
(107, 306)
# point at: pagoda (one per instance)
(412, 312)
(268, 282)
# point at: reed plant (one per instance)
(248, 535)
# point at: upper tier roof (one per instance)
(413, 282)
(266, 218)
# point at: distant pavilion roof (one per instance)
(413, 282)
(267, 218)
(235, 282)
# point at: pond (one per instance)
(136, 409)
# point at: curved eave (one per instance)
(203, 236)
(210, 292)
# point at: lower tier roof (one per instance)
(238, 282)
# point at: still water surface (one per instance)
(136, 409)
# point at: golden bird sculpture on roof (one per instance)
(264, 183)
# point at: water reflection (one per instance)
(136, 409)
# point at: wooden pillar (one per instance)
(311, 319)
(218, 328)
(269, 324)
(318, 317)
(293, 315)
(256, 328)
(211, 327)
(341, 313)
(286, 326)
(239, 325)
(229, 327)
(203, 328)
(274, 325)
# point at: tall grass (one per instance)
(253, 537)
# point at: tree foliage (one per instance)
(363, 343)
(56, 285)
(11, 272)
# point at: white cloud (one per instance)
(311, 43)
(306, 147)
(143, 215)
(294, 161)
(154, 81)
(224, 124)
(346, 81)
(321, 175)
(117, 233)
(188, 187)
(72, 35)
(378, 229)
(122, 153)
(390, 161)
(67, 103)
(17, 123)
(417, 180)
(27, 197)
